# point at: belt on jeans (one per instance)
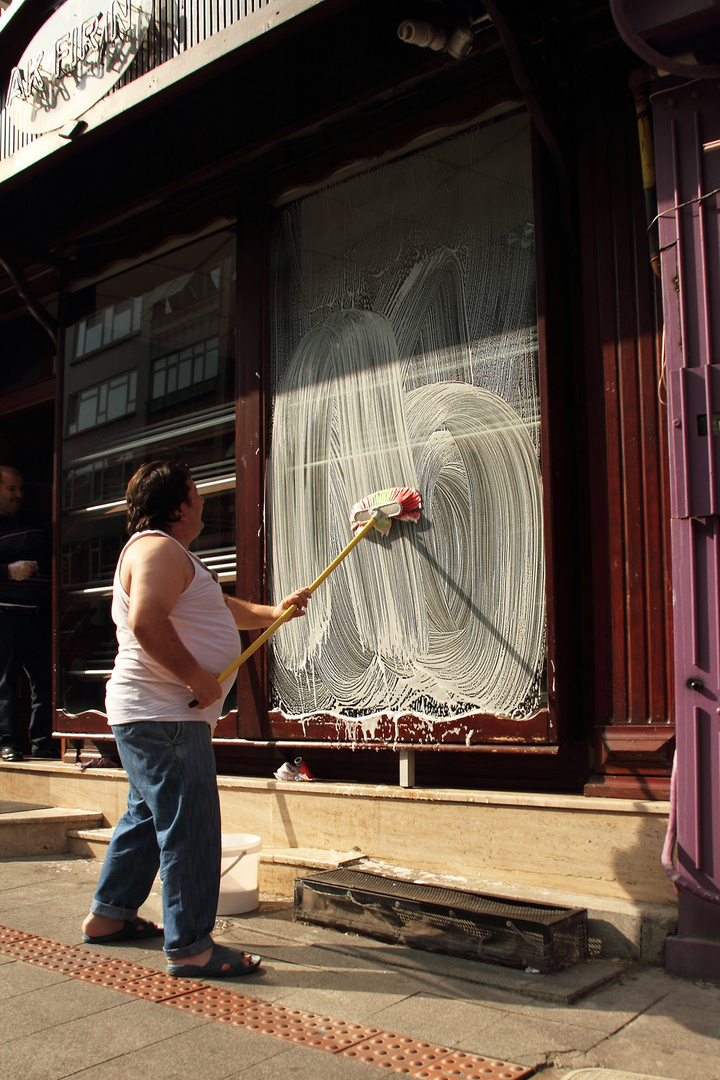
(30, 608)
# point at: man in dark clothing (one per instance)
(24, 622)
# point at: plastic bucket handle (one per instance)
(233, 864)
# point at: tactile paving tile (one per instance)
(418, 1059)
(24, 945)
(73, 961)
(400, 1053)
(253, 1014)
(117, 974)
(155, 986)
(457, 1064)
(16, 948)
(294, 1025)
(247, 1017)
(324, 1033)
(214, 1003)
(397, 1053)
(51, 954)
(309, 1029)
(260, 1016)
(8, 935)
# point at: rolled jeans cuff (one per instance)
(111, 912)
(190, 950)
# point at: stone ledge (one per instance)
(578, 803)
(607, 848)
(41, 832)
(448, 795)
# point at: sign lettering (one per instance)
(73, 61)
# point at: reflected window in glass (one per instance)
(149, 374)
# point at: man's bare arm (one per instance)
(249, 616)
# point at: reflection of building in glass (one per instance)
(163, 338)
(192, 372)
(102, 404)
(102, 328)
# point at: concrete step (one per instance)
(278, 869)
(91, 842)
(42, 830)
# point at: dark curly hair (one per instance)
(155, 494)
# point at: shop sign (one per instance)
(73, 60)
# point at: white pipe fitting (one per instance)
(461, 42)
(423, 34)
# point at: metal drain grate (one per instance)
(488, 928)
(396, 1053)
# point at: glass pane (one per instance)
(88, 410)
(118, 398)
(122, 321)
(405, 353)
(123, 409)
(185, 371)
(94, 332)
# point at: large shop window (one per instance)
(149, 374)
(405, 353)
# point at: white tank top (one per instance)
(140, 688)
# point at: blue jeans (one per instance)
(172, 823)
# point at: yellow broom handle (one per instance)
(345, 551)
(293, 607)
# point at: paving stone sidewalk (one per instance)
(596, 1021)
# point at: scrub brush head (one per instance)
(403, 503)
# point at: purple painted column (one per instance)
(687, 127)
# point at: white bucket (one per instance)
(239, 874)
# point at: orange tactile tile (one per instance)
(324, 1033)
(156, 986)
(259, 1016)
(8, 935)
(116, 974)
(27, 946)
(57, 957)
(214, 1003)
(400, 1053)
(425, 1061)
(253, 1014)
(73, 962)
(397, 1053)
(458, 1064)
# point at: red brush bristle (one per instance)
(407, 498)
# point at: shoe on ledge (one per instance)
(11, 753)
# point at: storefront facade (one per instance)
(313, 259)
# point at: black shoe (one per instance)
(49, 752)
(11, 753)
